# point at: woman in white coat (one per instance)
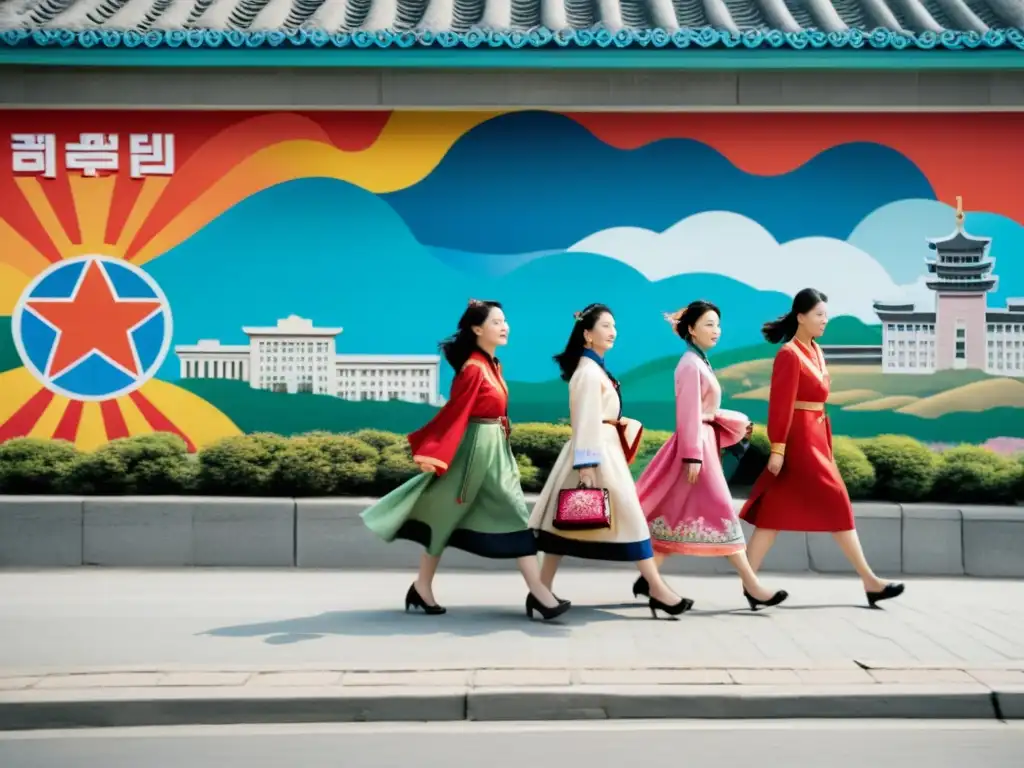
(598, 456)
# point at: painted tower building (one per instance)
(961, 332)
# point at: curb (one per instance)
(198, 531)
(35, 710)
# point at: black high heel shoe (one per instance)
(889, 591)
(678, 609)
(533, 604)
(413, 599)
(641, 587)
(776, 599)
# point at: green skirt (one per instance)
(477, 505)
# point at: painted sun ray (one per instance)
(26, 415)
(158, 419)
(35, 195)
(18, 386)
(152, 188)
(70, 420)
(92, 198)
(135, 422)
(91, 431)
(201, 421)
(113, 420)
(12, 282)
(47, 424)
(18, 253)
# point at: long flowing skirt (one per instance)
(477, 505)
(627, 540)
(809, 493)
(686, 519)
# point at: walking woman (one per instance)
(683, 491)
(597, 456)
(468, 496)
(801, 488)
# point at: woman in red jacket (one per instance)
(801, 488)
(468, 495)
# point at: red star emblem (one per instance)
(94, 319)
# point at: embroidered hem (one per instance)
(697, 550)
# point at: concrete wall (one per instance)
(926, 540)
(562, 89)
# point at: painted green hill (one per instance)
(255, 410)
(8, 354)
(647, 389)
(652, 382)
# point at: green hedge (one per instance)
(372, 462)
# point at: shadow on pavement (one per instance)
(459, 621)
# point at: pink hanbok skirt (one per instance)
(697, 519)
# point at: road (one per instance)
(847, 744)
(97, 617)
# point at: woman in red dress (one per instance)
(801, 488)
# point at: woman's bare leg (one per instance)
(849, 543)
(758, 547)
(658, 588)
(530, 568)
(425, 578)
(749, 578)
(548, 569)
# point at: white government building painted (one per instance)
(295, 356)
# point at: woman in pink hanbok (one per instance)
(683, 491)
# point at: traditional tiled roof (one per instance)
(815, 24)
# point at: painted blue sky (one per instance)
(534, 181)
(332, 252)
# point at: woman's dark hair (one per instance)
(460, 345)
(784, 328)
(569, 357)
(688, 318)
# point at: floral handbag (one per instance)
(582, 509)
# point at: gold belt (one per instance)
(806, 405)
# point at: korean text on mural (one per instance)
(150, 154)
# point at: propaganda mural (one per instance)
(215, 273)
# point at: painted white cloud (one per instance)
(734, 246)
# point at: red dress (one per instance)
(808, 494)
(478, 393)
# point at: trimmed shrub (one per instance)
(30, 465)
(244, 465)
(540, 442)
(650, 444)
(975, 475)
(529, 475)
(856, 470)
(904, 468)
(379, 439)
(147, 465)
(1019, 494)
(322, 464)
(395, 467)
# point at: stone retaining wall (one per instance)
(61, 531)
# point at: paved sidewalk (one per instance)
(120, 647)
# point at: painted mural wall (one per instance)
(211, 273)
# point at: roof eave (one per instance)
(497, 58)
